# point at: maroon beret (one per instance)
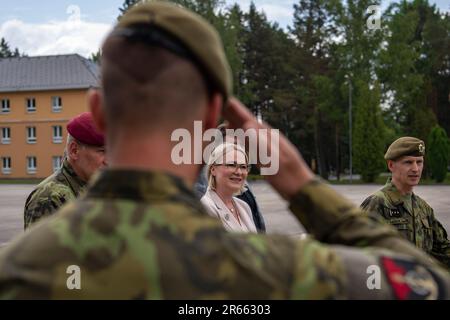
(83, 129)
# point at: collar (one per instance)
(391, 191)
(140, 185)
(76, 184)
(224, 213)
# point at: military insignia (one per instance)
(392, 213)
(421, 148)
(410, 280)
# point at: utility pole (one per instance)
(350, 125)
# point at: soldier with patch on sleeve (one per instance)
(139, 232)
(397, 204)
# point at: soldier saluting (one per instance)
(139, 232)
(397, 204)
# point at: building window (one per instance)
(6, 165)
(31, 134)
(31, 165)
(6, 135)
(57, 134)
(57, 163)
(31, 105)
(5, 106)
(56, 104)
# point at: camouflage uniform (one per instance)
(144, 235)
(413, 218)
(52, 193)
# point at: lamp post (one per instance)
(350, 125)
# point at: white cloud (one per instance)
(277, 12)
(55, 37)
(280, 11)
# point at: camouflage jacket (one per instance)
(144, 235)
(416, 223)
(52, 193)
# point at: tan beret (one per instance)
(405, 146)
(191, 30)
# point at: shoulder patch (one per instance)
(411, 281)
(367, 201)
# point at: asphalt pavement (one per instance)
(275, 210)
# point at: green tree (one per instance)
(265, 61)
(6, 51)
(415, 66)
(438, 153)
(313, 30)
(96, 56)
(355, 56)
(369, 134)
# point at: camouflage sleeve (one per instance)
(372, 206)
(441, 243)
(381, 250)
(43, 202)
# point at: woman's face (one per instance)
(230, 176)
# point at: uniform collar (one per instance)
(391, 191)
(139, 185)
(73, 179)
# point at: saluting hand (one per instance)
(293, 172)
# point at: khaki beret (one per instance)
(189, 29)
(405, 146)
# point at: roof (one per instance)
(47, 73)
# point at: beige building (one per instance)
(38, 96)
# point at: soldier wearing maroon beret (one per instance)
(84, 154)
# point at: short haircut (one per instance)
(149, 87)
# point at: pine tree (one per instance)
(438, 153)
(96, 56)
(5, 51)
(369, 134)
(415, 66)
(312, 31)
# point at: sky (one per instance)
(47, 27)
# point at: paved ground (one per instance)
(280, 220)
(275, 211)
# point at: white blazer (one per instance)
(216, 208)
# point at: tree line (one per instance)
(302, 79)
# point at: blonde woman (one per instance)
(227, 172)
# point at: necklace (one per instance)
(233, 209)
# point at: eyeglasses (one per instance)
(235, 166)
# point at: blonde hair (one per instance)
(219, 154)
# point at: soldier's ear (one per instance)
(73, 150)
(95, 102)
(213, 111)
(390, 164)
